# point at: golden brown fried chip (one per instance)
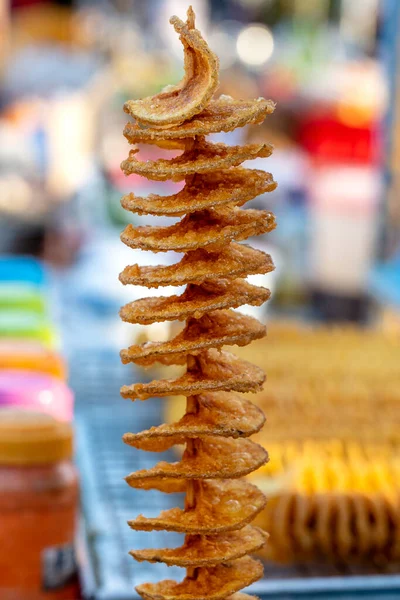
(213, 330)
(224, 114)
(203, 229)
(220, 506)
(169, 144)
(203, 158)
(207, 550)
(229, 186)
(180, 102)
(213, 583)
(234, 261)
(215, 370)
(167, 486)
(215, 458)
(219, 414)
(194, 302)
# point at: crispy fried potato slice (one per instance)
(219, 414)
(213, 583)
(216, 370)
(215, 458)
(210, 190)
(202, 158)
(167, 486)
(207, 550)
(180, 102)
(223, 114)
(168, 144)
(220, 506)
(233, 261)
(213, 330)
(194, 302)
(204, 229)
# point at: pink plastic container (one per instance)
(37, 392)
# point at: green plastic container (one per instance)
(27, 325)
(22, 296)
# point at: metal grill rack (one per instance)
(108, 572)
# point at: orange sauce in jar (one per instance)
(38, 508)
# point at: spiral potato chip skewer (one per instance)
(219, 505)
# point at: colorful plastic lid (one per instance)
(36, 391)
(22, 296)
(22, 268)
(26, 325)
(31, 358)
(33, 438)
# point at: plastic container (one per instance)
(24, 296)
(36, 391)
(38, 507)
(27, 325)
(23, 268)
(344, 203)
(30, 358)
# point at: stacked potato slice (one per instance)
(219, 505)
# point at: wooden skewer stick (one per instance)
(190, 501)
(191, 407)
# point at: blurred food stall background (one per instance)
(66, 68)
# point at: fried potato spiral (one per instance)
(219, 505)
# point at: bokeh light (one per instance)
(255, 45)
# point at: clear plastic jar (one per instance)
(38, 507)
